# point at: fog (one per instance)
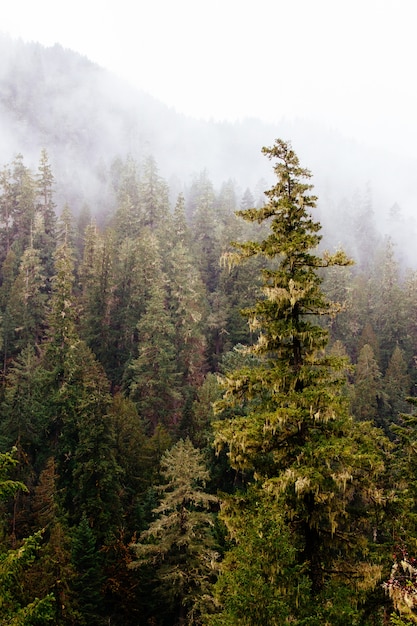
(87, 117)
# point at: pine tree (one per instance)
(137, 267)
(127, 220)
(53, 570)
(17, 603)
(6, 213)
(368, 393)
(135, 457)
(188, 307)
(153, 376)
(96, 283)
(88, 580)
(27, 301)
(153, 196)
(397, 385)
(179, 543)
(261, 580)
(389, 320)
(289, 427)
(24, 421)
(404, 475)
(45, 235)
(80, 431)
(205, 228)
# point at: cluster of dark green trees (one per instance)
(162, 460)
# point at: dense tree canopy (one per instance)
(125, 356)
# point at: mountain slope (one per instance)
(86, 117)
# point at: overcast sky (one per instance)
(350, 64)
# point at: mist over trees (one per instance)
(89, 120)
(207, 406)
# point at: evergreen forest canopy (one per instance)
(207, 410)
(167, 460)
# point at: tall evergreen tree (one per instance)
(154, 376)
(368, 395)
(27, 300)
(137, 268)
(45, 235)
(128, 217)
(179, 543)
(96, 284)
(153, 196)
(80, 431)
(389, 321)
(88, 581)
(17, 603)
(205, 229)
(286, 419)
(397, 384)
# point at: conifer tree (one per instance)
(179, 543)
(17, 602)
(180, 228)
(80, 431)
(52, 571)
(286, 419)
(137, 267)
(24, 420)
(154, 377)
(397, 384)
(405, 472)
(23, 203)
(88, 580)
(45, 235)
(368, 392)
(134, 454)
(188, 310)
(205, 229)
(127, 220)
(153, 196)
(96, 282)
(389, 320)
(6, 212)
(27, 300)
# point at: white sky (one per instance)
(350, 64)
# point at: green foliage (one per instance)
(179, 543)
(8, 487)
(404, 475)
(154, 375)
(285, 418)
(105, 352)
(88, 580)
(260, 580)
(368, 388)
(397, 383)
(15, 606)
(96, 280)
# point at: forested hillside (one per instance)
(89, 120)
(207, 408)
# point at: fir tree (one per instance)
(17, 603)
(45, 235)
(153, 196)
(397, 384)
(289, 427)
(88, 580)
(154, 375)
(368, 393)
(179, 543)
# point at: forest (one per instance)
(207, 412)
